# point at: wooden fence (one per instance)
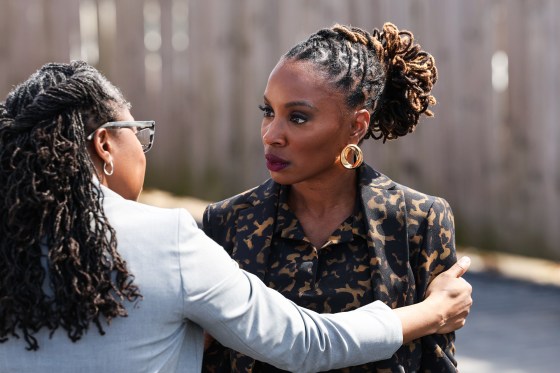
(199, 68)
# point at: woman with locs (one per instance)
(328, 231)
(93, 281)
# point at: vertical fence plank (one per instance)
(5, 43)
(516, 176)
(540, 117)
(551, 159)
(61, 22)
(129, 67)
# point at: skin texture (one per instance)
(125, 151)
(306, 124)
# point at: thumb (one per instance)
(460, 267)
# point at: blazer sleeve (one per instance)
(437, 254)
(216, 356)
(242, 313)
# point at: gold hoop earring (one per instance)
(105, 168)
(358, 156)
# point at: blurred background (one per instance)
(199, 68)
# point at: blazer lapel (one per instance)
(385, 211)
(255, 227)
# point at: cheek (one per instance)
(324, 146)
(263, 131)
(140, 155)
(139, 175)
(142, 162)
(139, 158)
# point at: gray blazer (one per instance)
(190, 283)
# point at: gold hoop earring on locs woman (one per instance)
(357, 156)
(105, 168)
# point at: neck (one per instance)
(322, 197)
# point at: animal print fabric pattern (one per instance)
(400, 238)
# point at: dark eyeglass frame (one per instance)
(143, 125)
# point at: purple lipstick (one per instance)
(274, 163)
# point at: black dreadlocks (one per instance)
(59, 265)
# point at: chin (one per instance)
(281, 180)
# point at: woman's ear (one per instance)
(360, 125)
(103, 145)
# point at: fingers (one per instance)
(457, 319)
(460, 267)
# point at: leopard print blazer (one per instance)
(411, 239)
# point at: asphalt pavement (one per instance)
(513, 327)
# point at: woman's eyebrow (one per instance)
(300, 103)
(294, 103)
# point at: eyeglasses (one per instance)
(145, 133)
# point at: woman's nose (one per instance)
(273, 133)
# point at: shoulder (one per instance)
(421, 206)
(420, 200)
(125, 213)
(221, 219)
(258, 195)
(425, 210)
(416, 203)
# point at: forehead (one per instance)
(300, 80)
(124, 115)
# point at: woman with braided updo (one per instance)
(327, 231)
(77, 252)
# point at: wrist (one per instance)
(420, 319)
(432, 313)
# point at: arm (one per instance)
(446, 308)
(242, 313)
(437, 254)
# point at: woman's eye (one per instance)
(267, 111)
(298, 118)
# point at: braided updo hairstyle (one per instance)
(59, 265)
(384, 72)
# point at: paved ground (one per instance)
(513, 327)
